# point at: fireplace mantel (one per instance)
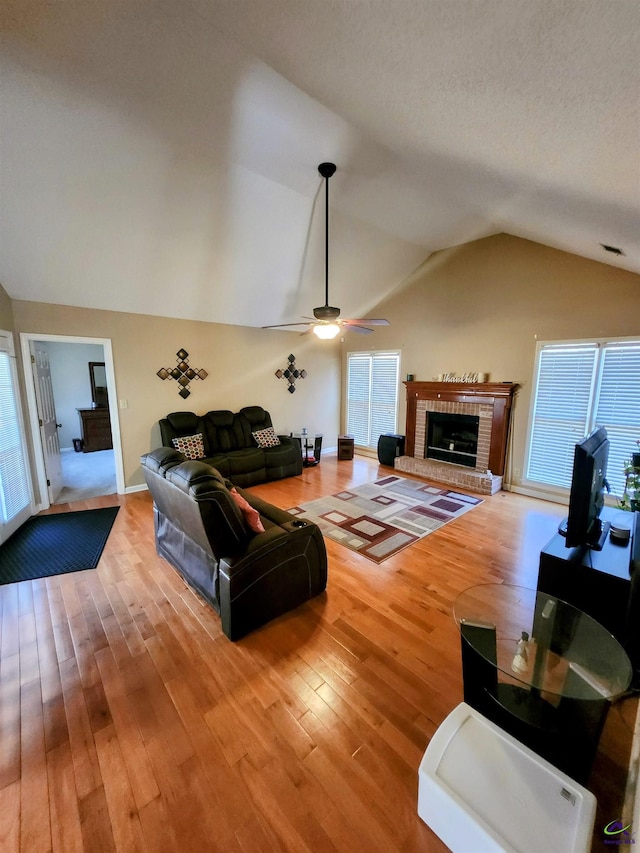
(498, 395)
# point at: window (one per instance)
(579, 386)
(372, 395)
(15, 490)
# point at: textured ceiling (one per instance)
(161, 157)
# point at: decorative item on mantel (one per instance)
(291, 373)
(182, 373)
(466, 377)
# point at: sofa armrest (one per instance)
(281, 569)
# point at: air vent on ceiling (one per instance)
(613, 249)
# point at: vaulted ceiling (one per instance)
(160, 156)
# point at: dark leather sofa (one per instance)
(230, 447)
(248, 578)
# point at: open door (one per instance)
(16, 499)
(47, 418)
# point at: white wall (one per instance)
(71, 385)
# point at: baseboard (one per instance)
(533, 492)
(129, 490)
(366, 451)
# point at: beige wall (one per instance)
(6, 311)
(241, 363)
(477, 307)
(483, 306)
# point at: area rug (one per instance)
(55, 544)
(384, 517)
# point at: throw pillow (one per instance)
(192, 446)
(251, 515)
(266, 437)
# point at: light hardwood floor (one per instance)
(129, 722)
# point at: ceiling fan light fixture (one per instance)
(326, 331)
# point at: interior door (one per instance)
(47, 418)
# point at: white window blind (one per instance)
(618, 407)
(15, 491)
(578, 387)
(372, 395)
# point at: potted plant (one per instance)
(630, 500)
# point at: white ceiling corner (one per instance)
(161, 157)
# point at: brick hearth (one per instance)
(451, 475)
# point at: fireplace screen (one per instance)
(452, 438)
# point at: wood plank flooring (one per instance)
(128, 722)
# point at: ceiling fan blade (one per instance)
(283, 325)
(361, 330)
(369, 322)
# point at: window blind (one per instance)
(372, 395)
(15, 492)
(618, 407)
(578, 387)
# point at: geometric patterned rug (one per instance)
(384, 517)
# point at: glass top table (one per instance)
(564, 652)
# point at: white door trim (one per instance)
(40, 472)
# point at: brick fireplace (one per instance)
(489, 402)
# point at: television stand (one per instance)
(598, 582)
(597, 537)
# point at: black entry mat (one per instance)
(55, 544)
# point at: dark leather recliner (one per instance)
(229, 445)
(248, 578)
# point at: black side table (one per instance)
(556, 700)
(311, 448)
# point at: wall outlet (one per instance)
(124, 404)
(516, 473)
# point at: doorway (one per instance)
(65, 470)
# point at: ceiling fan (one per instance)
(327, 323)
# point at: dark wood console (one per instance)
(95, 426)
(596, 582)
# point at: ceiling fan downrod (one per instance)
(326, 312)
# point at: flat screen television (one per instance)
(583, 526)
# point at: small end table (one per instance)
(345, 447)
(311, 448)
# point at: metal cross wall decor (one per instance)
(291, 373)
(182, 373)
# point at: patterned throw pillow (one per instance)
(192, 446)
(266, 437)
(251, 515)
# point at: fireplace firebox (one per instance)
(452, 438)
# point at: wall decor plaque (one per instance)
(291, 373)
(183, 373)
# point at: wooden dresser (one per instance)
(95, 426)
